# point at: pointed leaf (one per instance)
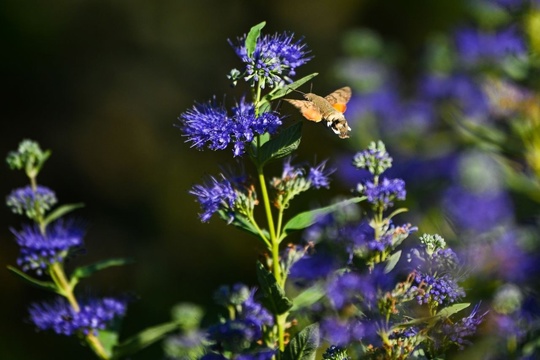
(308, 297)
(86, 271)
(274, 295)
(61, 211)
(307, 218)
(279, 92)
(304, 345)
(242, 222)
(392, 261)
(252, 37)
(282, 145)
(143, 339)
(109, 339)
(450, 310)
(44, 285)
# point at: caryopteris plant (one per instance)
(354, 288)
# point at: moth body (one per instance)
(329, 108)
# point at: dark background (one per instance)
(101, 84)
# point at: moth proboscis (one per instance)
(330, 108)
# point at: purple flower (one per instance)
(375, 159)
(234, 335)
(384, 193)
(94, 314)
(31, 202)
(274, 60)
(249, 321)
(255, 313)
(443, 290)
(343, 332)
(38, 250)
(209, 124)
(215, 195)
(265, 354)
(351, 288)
(475, 46)
(458, 331)
(477, 211)
(458, 88)
(318, 176)
(313, 267)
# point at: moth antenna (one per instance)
(278, 106)
(298, 91)
(311, 87)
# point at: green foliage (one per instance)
(274, 298)
(304, 345)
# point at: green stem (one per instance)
(261, 234)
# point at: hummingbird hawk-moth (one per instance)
(329, 108)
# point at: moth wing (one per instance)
(339, 98)
(307, 108)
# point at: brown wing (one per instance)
(339, 98)
(307, 108)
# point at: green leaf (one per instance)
(450, 310)
(274, 295)
(308, 297)
(109, 339)
(279, 92)
(143, 339)
(307, 218)
(304, 345)
(392, 261)
(61, 211)
(242, 222)
(86, 271)
(282, 145)
(44, 285)
(187, 315)
(252, 37)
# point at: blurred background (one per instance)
(101, 84)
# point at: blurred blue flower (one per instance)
(313, 267)
(274, 60)
(318, 176)
(31, 202)
(246, 328)
(341, 332)
(475, 46)
(233, 335)
(266, 354)
(209, 124)
(352, 288)
(477, 211)
(38, 250)
(94, 314)
(215, 195)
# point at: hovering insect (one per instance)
(329, 108)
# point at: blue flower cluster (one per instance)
(94, 314)
(209, 124)
(466, 327)
(239, 333)
(31, 202)
(274, 60)
(215, 195)
(384, 193)
(38, 250)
